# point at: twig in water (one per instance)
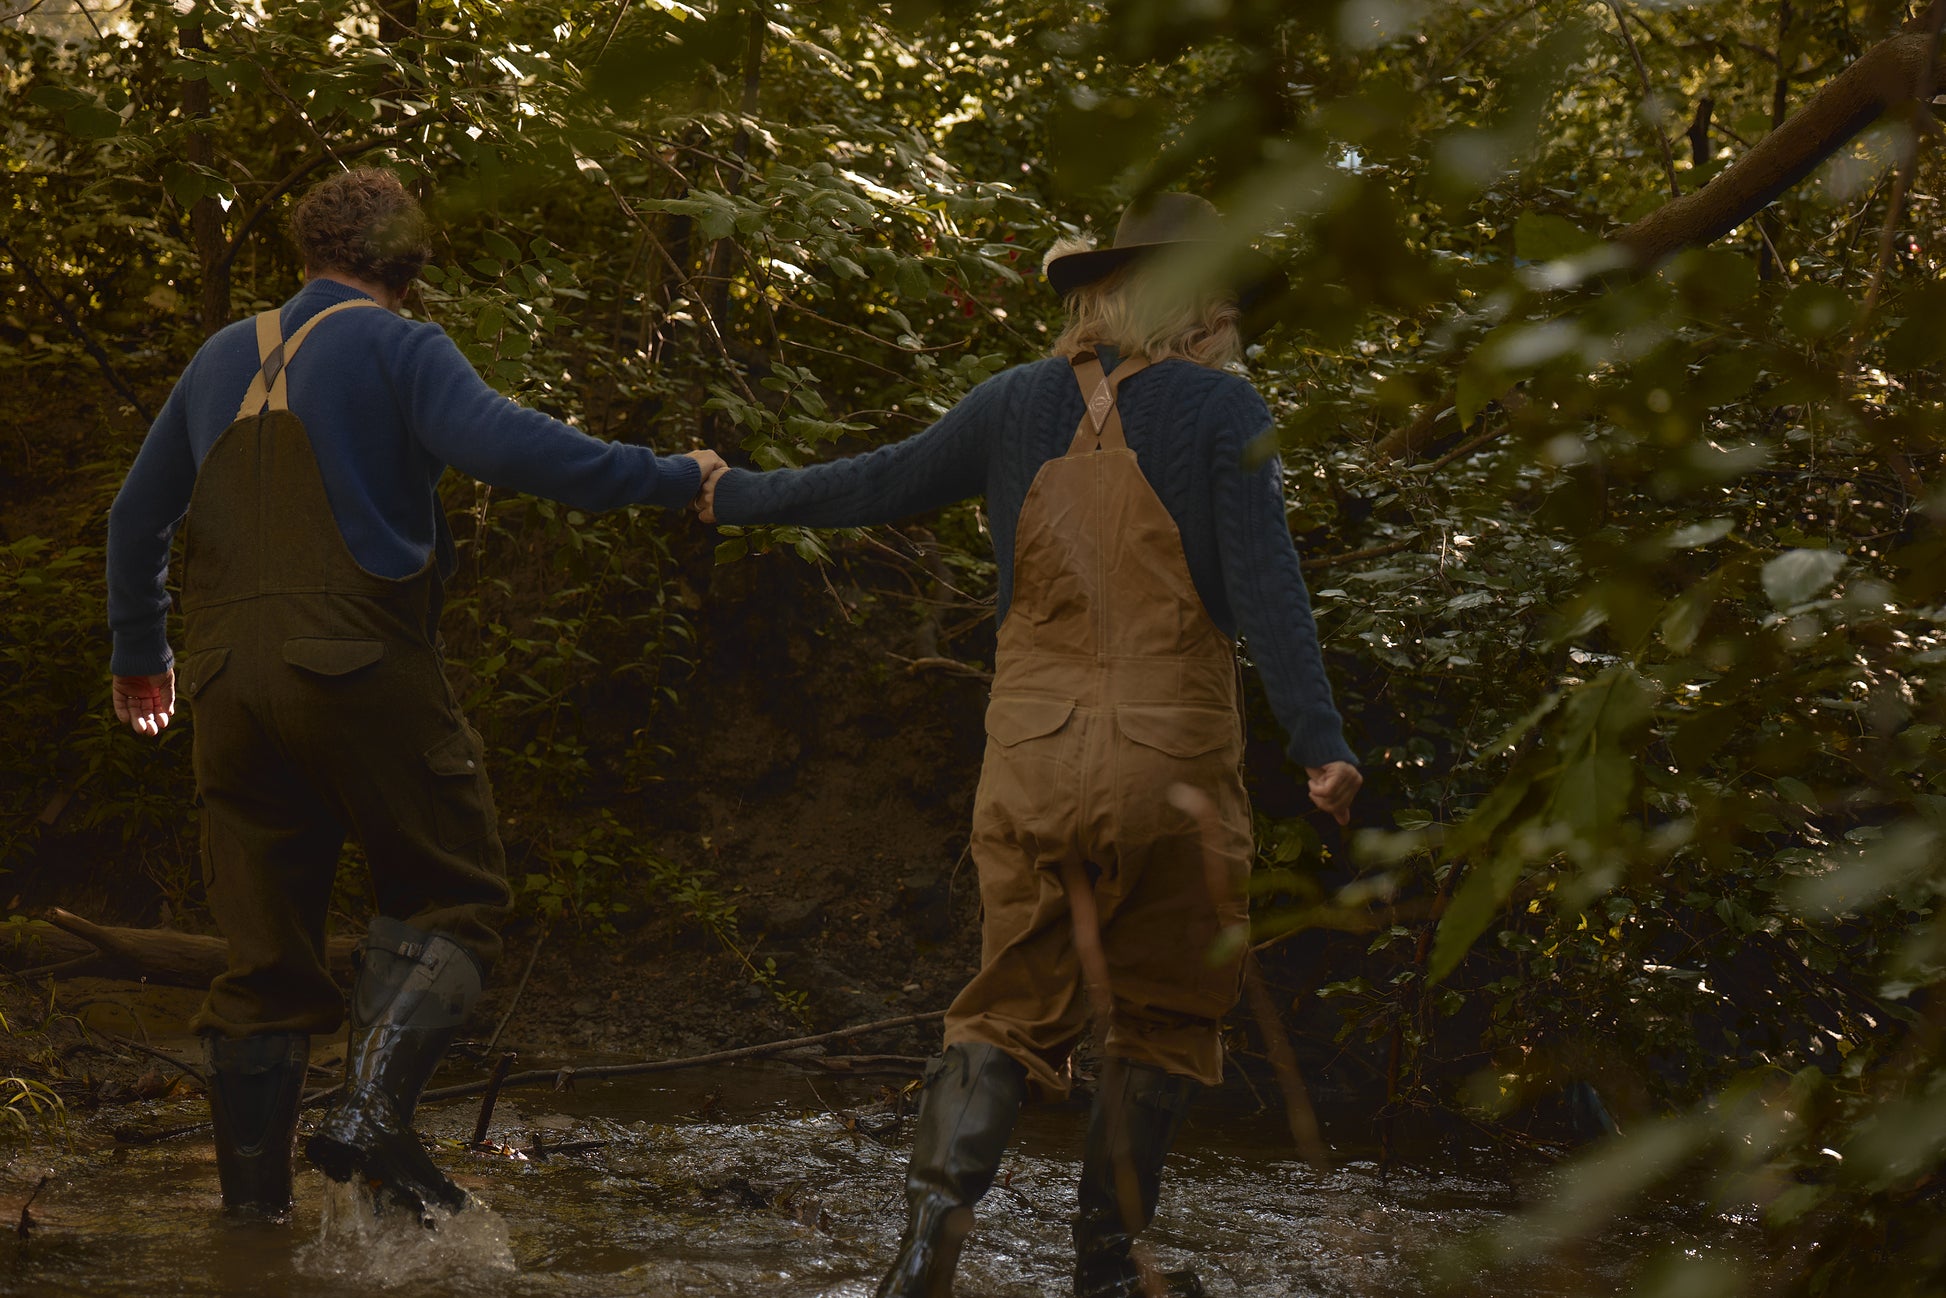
(519, 987)
(194, 1073)
(554, 1076)
(494, 1082)
(26, 1217)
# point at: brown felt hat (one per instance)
(1156, 224)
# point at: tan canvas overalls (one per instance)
(321, 706)
(1112, 687)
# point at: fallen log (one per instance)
(64, 945)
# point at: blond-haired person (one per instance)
(1136, 537)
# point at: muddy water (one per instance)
(744, 1181)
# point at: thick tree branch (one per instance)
(1883, 78)
(1896, 74)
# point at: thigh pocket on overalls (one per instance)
(462, 804)
(1181, 798)
(1028, 765)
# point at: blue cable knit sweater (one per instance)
(1188, 426)
(387, 403)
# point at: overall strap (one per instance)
(1101, 422)
(270, 389)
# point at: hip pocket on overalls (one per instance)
(332, 655)
(198, 669)
(1029, 771)
(1172, 759)
(462, 801)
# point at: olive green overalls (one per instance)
(1111, 688)
(321, 706)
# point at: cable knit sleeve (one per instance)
(1263, 580)
(944, 464)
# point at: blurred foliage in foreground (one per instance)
(1642, 651)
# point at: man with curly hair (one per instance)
(315, 553)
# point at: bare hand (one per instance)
(706, 498)
(1333, 786)
(145, 703)
(711, 466)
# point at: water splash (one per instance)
(358, 1243)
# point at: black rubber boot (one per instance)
(255, 1084)
(1137, 1112)
(973, 1094)
(412, 994)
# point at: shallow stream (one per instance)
(741, 1181)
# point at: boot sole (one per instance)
(335, 1158)
(343, 1161)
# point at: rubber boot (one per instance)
(413, 992)
(973, 1094)
(255, 1084)
(1137, 1111)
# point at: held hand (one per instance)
(145, 703)
(706, 498)
(1333, 786)
(713, 467)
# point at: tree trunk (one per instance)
(206, 217)
(1884, 78)
(724, 251)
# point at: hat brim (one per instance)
(1259, 284)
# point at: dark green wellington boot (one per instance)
(412, 994)
(973, 1094)
(255, 1084)
(1137, 1111)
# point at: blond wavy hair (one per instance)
(1141, 315)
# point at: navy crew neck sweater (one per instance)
(388, 404)
(1188, 425)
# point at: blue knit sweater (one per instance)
(387, 403)
(1188, 426)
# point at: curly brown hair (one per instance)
(362, 222)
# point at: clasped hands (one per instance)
(713, 469)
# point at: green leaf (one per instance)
(90, 122)
(1479, 898)
(1817, 311)
(1538, 237)
(1707, 532)
(501, 246)
(1798, 576)
(1851, 883)
(184, 183)
(914, 283)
